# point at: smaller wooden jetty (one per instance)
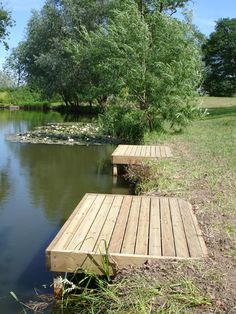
(108, 231)
(134, 154)
(13, 107)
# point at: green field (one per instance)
(216, 102)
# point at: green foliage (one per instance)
(90, 51)
(45, 61)
(5, 22)
(14, 65)
(5, 81)
(22, 96)
(123, 121)
(220, 59)
(156, 59)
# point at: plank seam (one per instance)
(161, 237)
(79, 245)
(116, 222)
(136, 233)
(149, 226)
(171, 220)
(126, 224)
(85, 238)
(96, 243)
(186, 238)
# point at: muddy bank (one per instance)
(65, 134)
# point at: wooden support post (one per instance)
(115, 170)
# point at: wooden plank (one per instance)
(124, 149)
(133, 150)
(123, 153)
(137, 229)
(138, 150)
(75, 220)
(180, 240)
(64, 261)
(83, 229)
(62, 235)
(168, 246)
(153, 151)
(131, 229)
(158, 152)
(128, 150)
(119, 150)
(66, 224)
(119, 230)
(168, 151)
(194, 246)
(107, 229)
(198, 232)
(93, 233)
(163, 151)
(129, 159)
(143, 151)
(142, 239)
(148, 151)
(155, 228)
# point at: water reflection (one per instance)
(59, 176)
(29, 118)
(4, 185)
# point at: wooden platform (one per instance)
(134, 154)
(121, 230)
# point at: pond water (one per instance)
(40, 185)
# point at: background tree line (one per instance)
(132, 58)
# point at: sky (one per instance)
(205, 13)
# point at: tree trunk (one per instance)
(64, 99)
(141, 8)
(161, 7)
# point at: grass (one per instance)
(216, 102)
(21, 97)
(137, 293)
(204, 172)
(219, 106)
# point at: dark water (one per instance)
(40, 185)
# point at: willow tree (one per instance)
(156, 59)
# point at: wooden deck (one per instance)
(122, 230)
(134, 154)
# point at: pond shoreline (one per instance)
(65, 134)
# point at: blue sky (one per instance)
(205, 13)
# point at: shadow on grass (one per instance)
(217, 112)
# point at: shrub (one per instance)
(121, 119)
